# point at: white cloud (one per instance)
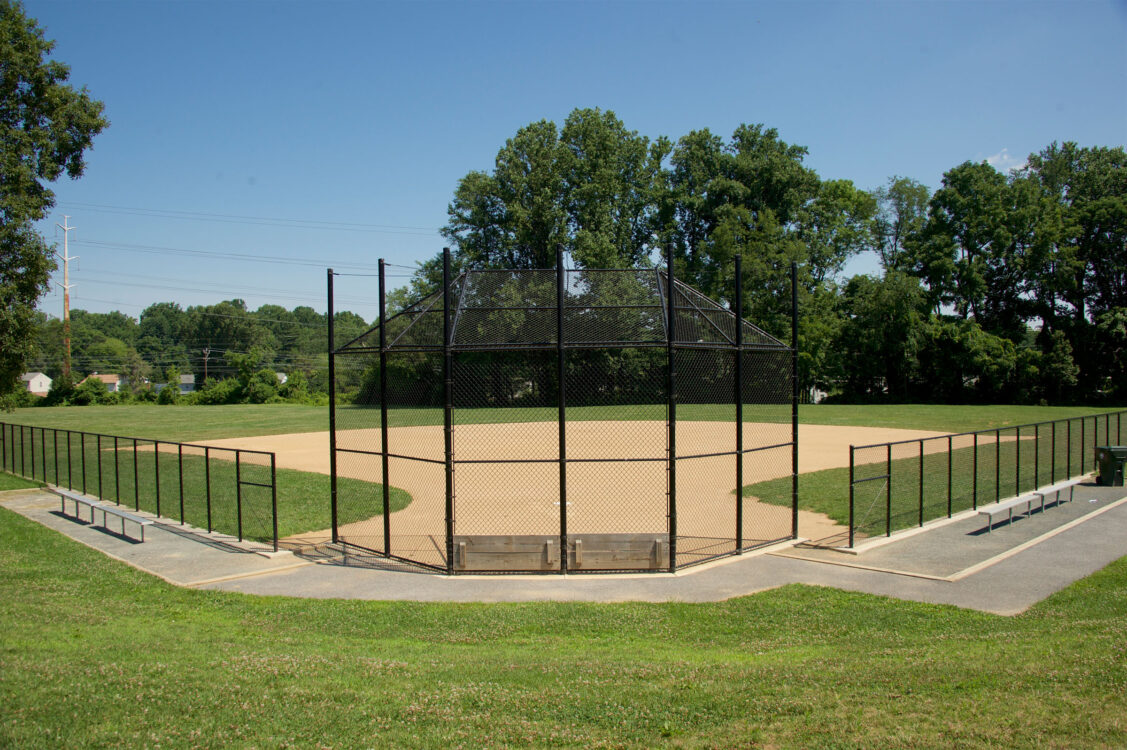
(1003, 162)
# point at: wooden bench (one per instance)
(97, 507)
(1007, 506)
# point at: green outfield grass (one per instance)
(187, 423)
(96, 653)
(12, 482)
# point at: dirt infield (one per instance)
(604, 497)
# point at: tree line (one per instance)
(992, 288)
(233, 353)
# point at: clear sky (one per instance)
(316, 134)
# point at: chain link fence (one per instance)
(561, 420)
(898, 485)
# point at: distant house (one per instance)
(36, 382)
(113, 382)
(187, 383)
(282, 377)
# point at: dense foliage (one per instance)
(1006, 288)
(994, 288)
(46, 127)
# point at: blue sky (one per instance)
(324, 134)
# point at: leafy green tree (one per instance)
(45, 128)
(880, 337)
(979, 246)
(900, 219)
(587, 188)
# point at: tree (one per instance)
(45, 128)
(878, 342)
(981, 246)
(901, 216)
(588, 188)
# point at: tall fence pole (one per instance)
(384, 461)
(332, 410)
(274, 496)
(851, 493)
(921, 483)
(888, 491)
(448, 410)
(794, 398)
(737, 302)
(239, 492)
(671, 409)
(561, 403)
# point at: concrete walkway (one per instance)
(955, 562)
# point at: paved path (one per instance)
(1005, 571)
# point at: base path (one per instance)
(522, 498)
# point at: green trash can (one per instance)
(1110, 460)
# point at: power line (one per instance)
(256, 220)
(252, 257)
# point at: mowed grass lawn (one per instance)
(96, 653)
(188, 423)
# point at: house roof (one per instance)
(29, 376)
(107, 379)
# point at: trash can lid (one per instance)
(1115, 451)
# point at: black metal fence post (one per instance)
(1083, 447)
(1017, 463)
(156, 472)
(1036, 456)
(671, 409)
(82, 448)
(1068, 451)
(794, 398)
(274, 497)
(136, 478)
(1053, 452)
(239, 492)
(180, 476)
(737, 302)
(332, 411)
(561, 403)
(31, 442)
(98, 450)
(888, 491)
(448, 408)
(384, 433)
(921, 483)
(116, 474)
(974, 482)
(851, 493)
(207, 483)
(55, 454)
(997, 465)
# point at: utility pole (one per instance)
(206, 354)
(66, 292)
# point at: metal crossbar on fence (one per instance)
(229, 490)
(936, 477)
(562, 420)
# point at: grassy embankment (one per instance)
(96, 653)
